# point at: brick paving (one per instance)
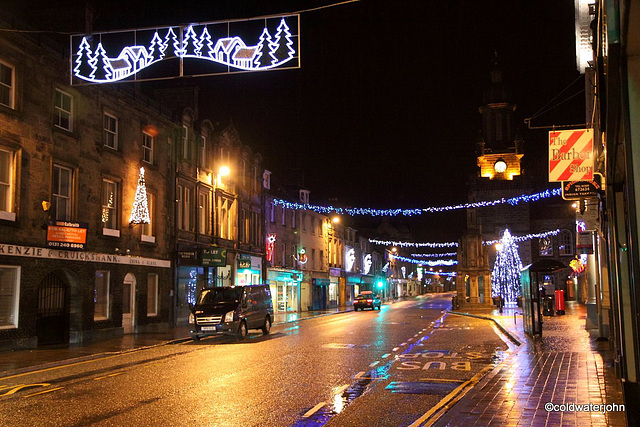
(566, 366)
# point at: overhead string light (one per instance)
(440, 255)
(525, 198)
(440, 262)
(455, 244)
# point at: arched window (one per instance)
(565, 243)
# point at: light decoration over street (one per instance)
(455, 244)
(513, 201)
(115, 56)
(271, 246)
(140, 211)
(505, 278)
(440, 255)
(440, 262)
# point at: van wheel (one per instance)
(195, 337)
(267, 326)
(242, 331)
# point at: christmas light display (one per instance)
(505, 278)
(411, 212)
(150, 46)
(191, 287)
(440, 255)
(271, 245)
(423, 262)
(140, 211)
(455, 244)
(441, 273)
(367, 262)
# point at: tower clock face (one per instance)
(500, 166)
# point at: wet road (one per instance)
(357, 368)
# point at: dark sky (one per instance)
(384, 109)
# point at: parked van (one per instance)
(231, 311)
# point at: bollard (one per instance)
(559, 302)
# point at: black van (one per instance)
(231, 311)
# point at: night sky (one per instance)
(384, 110)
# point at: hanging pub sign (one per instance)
(571, 155)
(576, 190)
(67, 235)
(195, 50)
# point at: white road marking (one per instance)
(374, 364)
(359, 374)
(384, 356)
(313, 410)
(395, 349)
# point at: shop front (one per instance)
(249, 270)
(285, 287)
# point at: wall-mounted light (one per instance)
(500, 166)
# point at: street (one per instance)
(386, 367)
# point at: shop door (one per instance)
(319, 297)
(129, 304)
(52, 321)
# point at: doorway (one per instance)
(129, 304)
(52, 321)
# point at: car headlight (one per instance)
(228, 317)
(192, 319)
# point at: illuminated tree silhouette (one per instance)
(264, 56)
(157, 48)
(190, 43)
(101, 65)
(505, 278)
(205, 48)
(84, 65)
(283, 50)
(140, 211)
(172, 39)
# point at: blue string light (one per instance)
(455, 244)
(526, 198)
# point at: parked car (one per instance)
(231, 311)
(367, 299)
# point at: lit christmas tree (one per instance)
(505, 279)
(140, 211)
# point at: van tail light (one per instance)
(369, 300)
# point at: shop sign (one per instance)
(67, 235)
(214, 257)
(187, 258)
(576, 190)
(244, 261)
(571, 155)
(585, 242)
(335, 272)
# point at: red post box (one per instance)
(560, 302)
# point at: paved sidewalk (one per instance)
(18, 361)
(566, 366)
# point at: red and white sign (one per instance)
(571, 155)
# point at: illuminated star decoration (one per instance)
(513, 201)
(193, 41)
(140, 211)
(271, 244)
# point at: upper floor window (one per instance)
(184, 208)
(303, 221)
(203, 213)
(204, 151)
(185, 141)
(7, 85)
(109, 204)
(110, 131)
(293, 218)
(272, 212)
(147, 229)
(61, 192)
(565, 243)
(225, 218)
(7, 183)
(147, 147)
(63, 108)
(546, 246)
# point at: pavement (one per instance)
(566, 366)
(544, 379)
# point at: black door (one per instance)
(52, 324)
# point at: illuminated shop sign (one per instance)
(195, 50)
(67, 235)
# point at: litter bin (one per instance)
(454, 303)
(547, 305)
(560, 302)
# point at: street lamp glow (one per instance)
(335, 219)
(499, 246)
(224, 171)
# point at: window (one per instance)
(321, 263)
(7, 85)
(101, 296)
(313, 225)
(110, 131)
(293, 218)
(63, 110)
(304, 222)
(9, 296)
(184, 208)
(244, 226)
(313, 259)
(320, 225)
(7, 184)
(272, 212)
(61, 192)
(256, 230)
(204, 164)
(225, 218)
(565, 243)
(147, 229)
(546, 246)
(152, 295)
(147, 148)
(109, 206)
(284, 216)
(203, 213)
(185, 142)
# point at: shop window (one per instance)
(63, 108)
(7, 184)
(7, 85)
(148, 143)
(110, 131)
(565, 243)
(152, 295)
(110, 208)
(61, 192)
(101, 295)
(9, 296)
